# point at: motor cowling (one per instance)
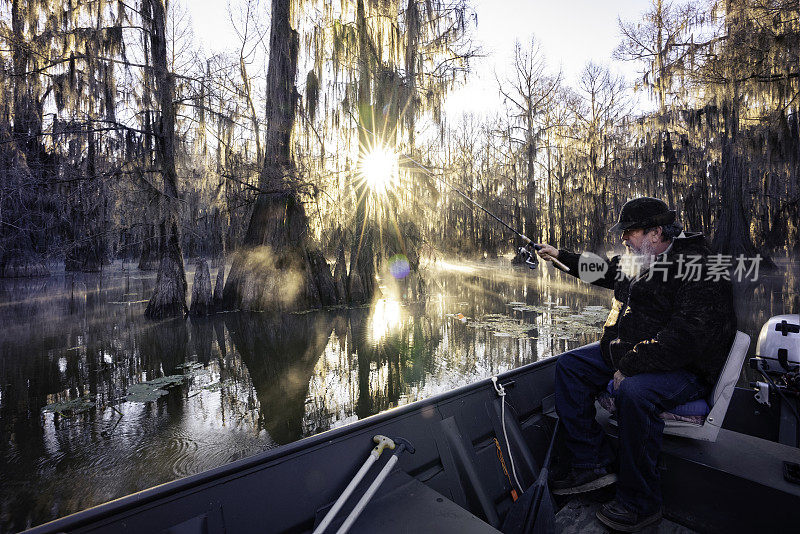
(779, 344)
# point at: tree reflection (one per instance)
(280, 353)
(361, 373)
(162, 346)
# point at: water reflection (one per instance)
(386, 317)
(254, 381)
(280, 354)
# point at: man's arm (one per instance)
(571, 260)
(678, 343)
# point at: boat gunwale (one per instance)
(270, 457)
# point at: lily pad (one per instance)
(503, 326)
(191, 368)
(214, 386)
(70, 407)
(152, 389)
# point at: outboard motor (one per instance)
(778, 348)
(778, 361)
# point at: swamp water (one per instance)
(96, 402)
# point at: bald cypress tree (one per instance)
(169, 296)
(278, 268)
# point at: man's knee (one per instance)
(579, 357)
(570, 365)
(565, 362)
(632, 391)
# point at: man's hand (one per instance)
(547, 252)
(618, 378)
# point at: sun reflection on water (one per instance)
(387, 316)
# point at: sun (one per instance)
(379, 168)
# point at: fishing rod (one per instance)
(530, 257)
(528, 241)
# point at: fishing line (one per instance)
(466, 197)
(526, 239)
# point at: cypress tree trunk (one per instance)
(273, 270)
(732, 235)
(219, 286)
(551, 231)
(147, 259)
(340, 276)
(596, 224)
(22, 167)
(562, 218)
(361, 278)
(87, 249)
(202, 302)
(530, 189)
(669, 167)
(169, 296)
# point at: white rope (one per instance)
(501, 392)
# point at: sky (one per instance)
(570, 32)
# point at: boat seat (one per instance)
(702, 419)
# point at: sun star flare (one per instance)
(379, 168)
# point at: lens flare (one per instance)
(399, 266)
(379, 168)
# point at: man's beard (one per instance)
(636, 261)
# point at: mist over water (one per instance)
(257, 381)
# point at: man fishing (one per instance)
(664, 344)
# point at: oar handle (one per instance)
(381, 443)
(401, 446)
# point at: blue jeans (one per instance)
(580, 376)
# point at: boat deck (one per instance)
(578, 517)
(405, 505)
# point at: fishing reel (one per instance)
(528, 256)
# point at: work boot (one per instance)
(617, 516)
(580, 480)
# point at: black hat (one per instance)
(644, 212)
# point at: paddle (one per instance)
(534, 512)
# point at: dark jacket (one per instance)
(663, 325)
